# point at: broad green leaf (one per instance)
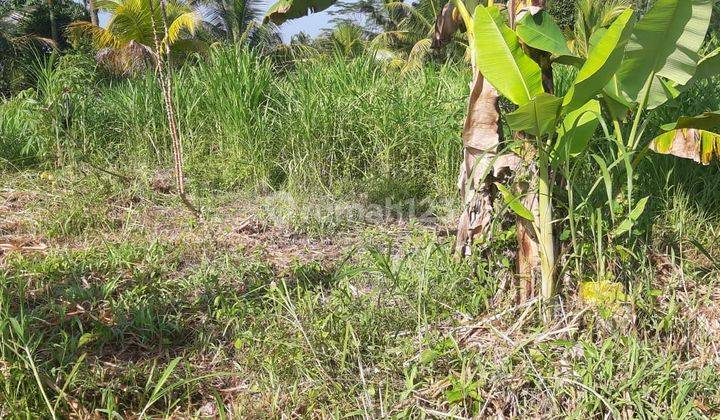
(632, 218)
(569, 60)
(708, 67)
(689, 143)
(616, 101)
(501, 59)
(705, 121)
(576, 130)
(595, 37)
(603, 61)
(661, 91)
(541, 32)
(537, 117)
(283, 10)
(665, 42)
(514, 203)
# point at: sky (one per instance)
(311, 25)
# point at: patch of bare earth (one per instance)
(231, 228)
(14, 224)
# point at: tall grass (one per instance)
(331, 125)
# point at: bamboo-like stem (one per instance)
(166, 86)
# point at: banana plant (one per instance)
(486, 159)
(547, 120)
(631, 68)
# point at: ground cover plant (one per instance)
(322, 275)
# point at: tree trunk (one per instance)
(528, 255)
(165, 76)
(93, 13)
(482, 166)
(481, 137)
(53, 24)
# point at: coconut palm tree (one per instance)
(13, 33)
(377, 17)
(411, 40)
(15, 43)
(347, 39)
(231, 18)
(127, 44)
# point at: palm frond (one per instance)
(421, 49)
(25, 41)
(412, 10)
(128, 59)
(108, 5)
(185, 23)
(418, 55)
(101, 37)
(390, 37)
(127, 43)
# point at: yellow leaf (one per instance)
(602, 293)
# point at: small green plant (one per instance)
(629, 69)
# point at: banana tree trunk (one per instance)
(528, 253)
(481, 137)
(529, 263)
(482, 165)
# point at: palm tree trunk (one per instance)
(53, 23)
(93, 12)
(242, 18)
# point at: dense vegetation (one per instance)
(325, 124)
(320, 280)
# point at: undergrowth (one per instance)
(320, 281)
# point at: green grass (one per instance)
(130, 288)
(275, 306)
(331, 125)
